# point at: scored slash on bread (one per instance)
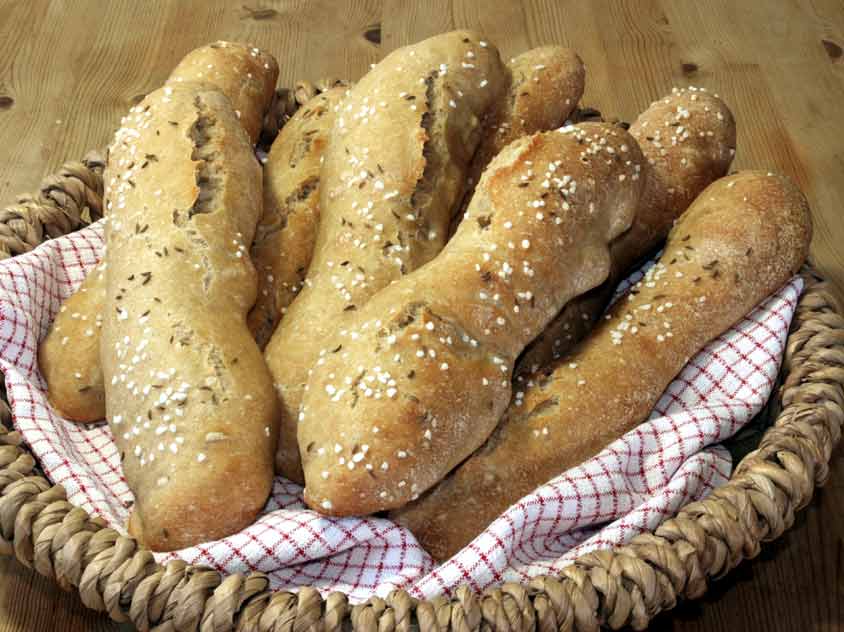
(69, 355)
(284, 240)
(189, 399)
(246, 75)
(419, 376)
(688, 139)
(392, 176)
(739, 241)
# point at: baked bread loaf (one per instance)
(188, 396)
(740, 240)
(543, 87)
(420, 375)
(69, 355)
(393, 173)
(689, 140)
(284, 240)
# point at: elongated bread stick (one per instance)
(246, 75)
(69, 356)
(688, 139)
(188, 396)
(741, 239)
(284, 241)
(419, 378)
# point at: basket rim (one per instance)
(623, 586)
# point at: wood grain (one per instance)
(70, 69)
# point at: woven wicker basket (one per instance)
(626, 586)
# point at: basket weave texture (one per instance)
(626, 586)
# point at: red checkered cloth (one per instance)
(630, 487)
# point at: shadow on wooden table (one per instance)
(796, 583)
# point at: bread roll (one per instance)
(420, 375)
(741, 240)
(393, 173)
(69, 356)
(284, 240)
(543, 87)
(689, 140)
(188, 396)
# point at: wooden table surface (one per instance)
(70, 69)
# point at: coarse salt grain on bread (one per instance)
(188, 397)
(393, 173)
(68, 357)
(284, 240)
(688, 139)
(419, 376)
(739, 241)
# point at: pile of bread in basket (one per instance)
(358, 314)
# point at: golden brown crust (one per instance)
(284, 240)
(69, 355)
(392, 174)
(421, 374)
(741, 239)
(188, 396)
(688, 139)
